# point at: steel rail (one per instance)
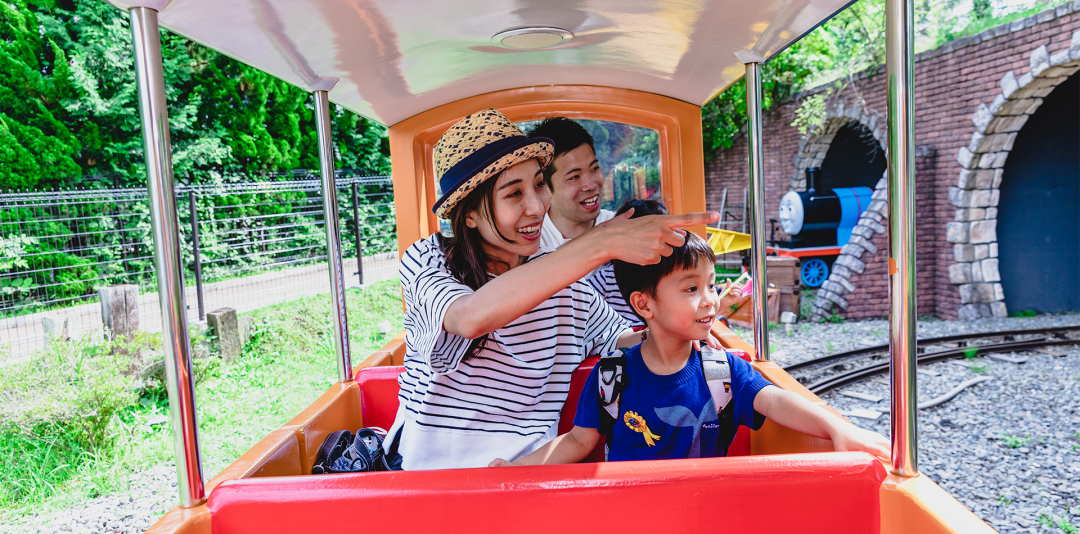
(863, 373)
(841, 356)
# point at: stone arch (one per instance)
(814, 147)
(812, 151)
(974, 231)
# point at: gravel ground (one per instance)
(1008, 448)
(149, 495)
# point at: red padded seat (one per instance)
(806, 493)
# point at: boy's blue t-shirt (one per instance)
(675, 413)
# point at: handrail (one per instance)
(899, 77)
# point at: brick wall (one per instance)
(950, 83)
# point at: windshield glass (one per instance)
(629, 156)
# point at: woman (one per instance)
(492, 329)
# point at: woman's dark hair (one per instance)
(465, 255)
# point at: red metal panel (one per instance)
(804, 252)
(379, 395)
(831, 492)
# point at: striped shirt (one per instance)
(603, 282)
(504, 402)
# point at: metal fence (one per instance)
(246, 244)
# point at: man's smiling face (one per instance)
(577, 185)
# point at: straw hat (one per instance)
(478, 147)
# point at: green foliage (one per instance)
(837, 52)
(810, 115)
(58, 411)
(1061, 523)
(68, 105)
(1024, 313)
(970, 352)
(979, 367)
(45, 462)
(1014, 442)
(1004, 500)
(723, 116)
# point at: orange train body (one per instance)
(790, 481)
(776, 480)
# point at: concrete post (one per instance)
(55, 328)
(226, 329)
(119, 309)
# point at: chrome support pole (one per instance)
(333, 235)
(899, 72)
(164, 224)
(757, 204)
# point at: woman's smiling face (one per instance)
(520, 200)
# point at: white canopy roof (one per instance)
(394, 59)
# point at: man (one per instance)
(575, 180)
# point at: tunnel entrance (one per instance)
(1038, 226)
(854, 159)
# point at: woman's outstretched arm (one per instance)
(512, 294)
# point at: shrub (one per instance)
(56, 410)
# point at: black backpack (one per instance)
(343, 452)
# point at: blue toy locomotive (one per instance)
(819, 221)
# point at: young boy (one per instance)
(666, 409)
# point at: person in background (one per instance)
(574, 180)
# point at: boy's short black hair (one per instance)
(566, 134)
(644, 278)
(643, 207)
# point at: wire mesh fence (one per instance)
(245, 244)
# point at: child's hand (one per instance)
(848, 437)
(499, 462)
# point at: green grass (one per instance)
(1014, 442)
(1063, 524)
(288, 363)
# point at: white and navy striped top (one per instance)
(505, 402)
(603, 281)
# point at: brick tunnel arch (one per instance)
(812, 152)
(977, 194)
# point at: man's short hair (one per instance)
(566, 134)
(644, 278)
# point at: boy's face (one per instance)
(684, 306)
(576, 185)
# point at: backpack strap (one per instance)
(717, 370)
(611, 379)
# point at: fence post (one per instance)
(195, 252)
(119, 309)
(356, 231)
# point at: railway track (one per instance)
(835, 370)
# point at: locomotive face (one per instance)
(791, 213)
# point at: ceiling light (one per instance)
(532, 38)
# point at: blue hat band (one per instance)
(478, 161)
